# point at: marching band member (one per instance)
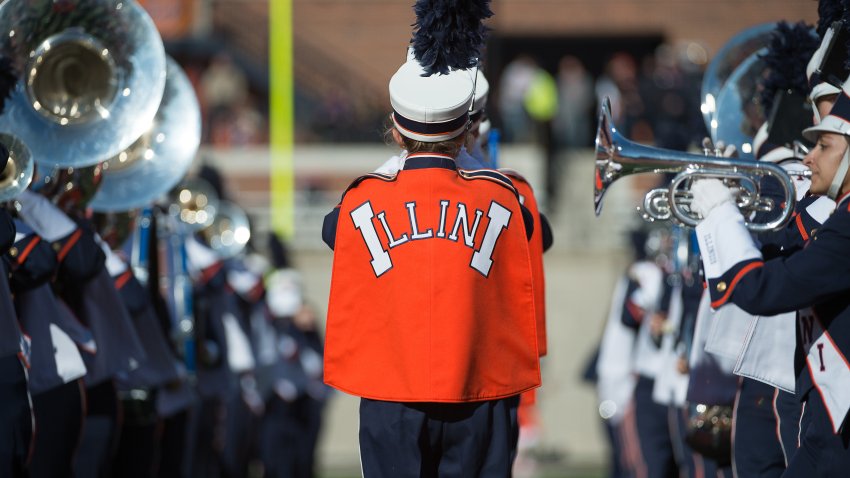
(84, 285)
(57, 367)
(812, 277)
(615, 380)
(433, 404)
(136, 449)
(16, 409)
(766, 415)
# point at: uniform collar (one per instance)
(429, 160)
(842, 199)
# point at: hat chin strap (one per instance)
(838, 179)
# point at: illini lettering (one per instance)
(455, 224)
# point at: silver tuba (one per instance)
(90, 77)
(735, 52)
(160, 158)
(194, 203)
(617, 157)
(229, 232)
(18, 172)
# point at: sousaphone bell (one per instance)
(159, 159)
(17, 174)
(90, 77)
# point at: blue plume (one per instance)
(786, 58)
(829, 11)
(8, 79)
(449, 34)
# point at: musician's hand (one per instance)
(708, 194)
(720, 149)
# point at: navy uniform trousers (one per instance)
(821, 452)
(399, 440)
(756, 440)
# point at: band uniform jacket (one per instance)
(432, 296)
(53, 355)
(84, 283)
(160, 367)
(11, 340)
(536, 248)
(816, 278)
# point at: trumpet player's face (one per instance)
(824, 159)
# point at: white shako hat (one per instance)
(819, 87)
(838, 122)
(482, 88)
(430, 108)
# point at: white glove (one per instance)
(650, 279)
(708, 194)
(47, 220)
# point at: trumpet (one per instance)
(617, 157)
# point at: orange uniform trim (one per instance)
(210, 272)
(738, 277)
(27, 250)
(66, 248)
(801, 227)
(121, 281)
(637, 312)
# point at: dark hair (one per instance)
(449, 147)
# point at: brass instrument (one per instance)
(18, 172)
(90, 77)
(159, 159)
(737, 50)
(194, 203)
(617, 157)
(69, 188)
(229, 232)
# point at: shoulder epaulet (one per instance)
(490, 175)
(513, 173)
(381, 176)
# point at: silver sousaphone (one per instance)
(229, 232)
(90, 77)
(739, 114)
(724, 64)
(17, 174)
(159, 159)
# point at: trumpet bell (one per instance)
(18, 172)
(91, 76)
(229, 232)
(159, 158)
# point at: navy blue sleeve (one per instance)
(80, 256)
(546, 231)
(812, 275)
(7, 231)
(329, 227)
(792, 237)
(632, 315)
(528, 219)
(32, 262)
